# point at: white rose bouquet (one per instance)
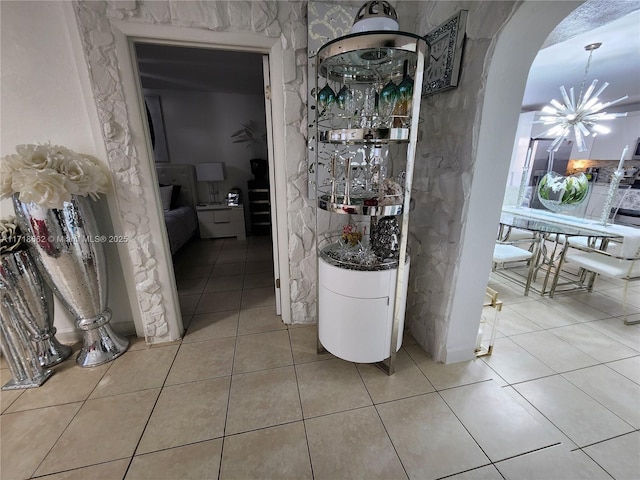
(50, 174)
(11, 239)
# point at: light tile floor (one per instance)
(244, 396)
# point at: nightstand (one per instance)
(220, 220)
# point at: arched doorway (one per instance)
(515, 49)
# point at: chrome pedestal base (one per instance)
(100, 343)
(28, 383)
(50, 351)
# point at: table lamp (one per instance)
(211, 172)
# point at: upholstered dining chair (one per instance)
(505, 253)
(612, 265)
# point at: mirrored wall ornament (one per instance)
(442, 67)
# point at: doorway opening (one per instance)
(207, 108)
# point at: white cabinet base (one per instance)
(356, 312)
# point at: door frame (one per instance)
(125, 35)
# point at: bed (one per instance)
(179, 195)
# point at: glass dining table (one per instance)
(549, 239)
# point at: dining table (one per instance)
(551, 235)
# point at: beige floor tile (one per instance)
(406, 381)
(26, 438)
(542, 420)
(261, 319)
(414, 423)
(190, 286)
(513, 323)
(571, 306)
(201, 271)
(601, 302)
(553, 351)
(219, 302)
(136, 370)
(226, 269)
(483, 473)
(615, 328)
(104, 471)
(514, 364)
(188, 303)
(553, 462)
(115, 422)
(261, 351)
(232, 256)
(575, 413)
(263, 399)
(199, 461)
(629, 367)
(69, 383)
(500, 425)
(7, 397)
(202, 360)
(543, 315)
(258, 297)
(614, 391)
(278, 452)
(258, 280)
(330, 386)
(618, 456)
(225, 283)
(304, 344)
(594, 343)
(261, 266)
(187, 413)
(352, 444)
(210, 326)
(444, 376)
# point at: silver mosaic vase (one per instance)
(68, 250)
(23, 304)
(32, 300)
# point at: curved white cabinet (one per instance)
(368, 91)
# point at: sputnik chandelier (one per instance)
(581, 117)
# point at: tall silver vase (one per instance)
(68, 250)
(22, 304)
(31, 300)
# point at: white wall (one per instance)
(198, 127)
(42, 101)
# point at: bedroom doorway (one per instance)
(205, 105)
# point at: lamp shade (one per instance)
(210, 172)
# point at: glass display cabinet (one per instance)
(368, 91)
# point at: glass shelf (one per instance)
(368, 57)
(358, 207)
(333, 254)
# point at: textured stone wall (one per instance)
(444, 170)
(283, 20)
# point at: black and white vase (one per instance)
(68, 250)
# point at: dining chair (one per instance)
(612, 265)
(505, 253)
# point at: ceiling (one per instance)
(561, 61)
(164, 67)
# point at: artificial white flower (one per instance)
(49, 174)
(48, 188)
(11, 239)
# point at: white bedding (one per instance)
(182, 224)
